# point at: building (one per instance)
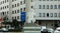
(11, 8)
(47, 12)
(30, 11)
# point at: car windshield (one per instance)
(49, 30)
(45, 30)
(58, 30)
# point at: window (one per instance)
(17, 4)
(17, 17)
(51, 14)
(7, 18)
(12, 12)
(3, 13)
(24, 9)
(31, 6)
(12, 6)
(43, 14)
(59, 6)
(59, 14)
(12, 18)
(55, 6)
(39, 6)
(17, 11)
(47, 14)
(3, 1)
(21, 2)
(24, 1)
(12, 0)
(51, 7)
(43, 6)
(55, 14)
(3, 7)
(39, 14)
(21, 9)
(47, 6)
(7, 6)
(7, 0)
(7, 12)
(31, 0)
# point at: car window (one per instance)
(58, 30)
(45, 30)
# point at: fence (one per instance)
(32, 29)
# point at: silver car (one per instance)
(57, 30)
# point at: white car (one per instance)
(4, 29)
(50, 30)
(43, 27)
(11, 27)
(57, 30)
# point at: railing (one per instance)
(32, 29)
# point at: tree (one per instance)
(15, 23)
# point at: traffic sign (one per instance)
(23, 16)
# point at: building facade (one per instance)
(12, 8)
(30, 11)
(47, 12)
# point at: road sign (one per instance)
(23, 16)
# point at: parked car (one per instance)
(43, 27)
(46, 30)
(10, 27)
(50, 30)
(4, 29)
(57, 30)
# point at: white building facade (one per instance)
(47, 11)
(12, 8)
(30, 11)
